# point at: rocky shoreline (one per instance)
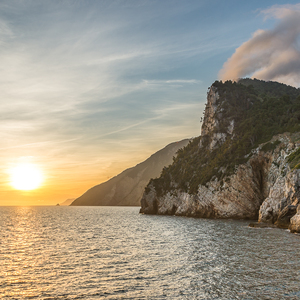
(266, 187)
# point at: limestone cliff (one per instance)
(237, 168)
(283, 185)
(262, 187)
(126, 189)
(211, 127)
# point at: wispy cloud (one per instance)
(89, 88)
(270, 54)
(172, 82)
(45, 143)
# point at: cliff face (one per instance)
(283, 185)
(262, 187)
(260, 183)
(126, 189)
(211, 127)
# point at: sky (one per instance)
(90, 88)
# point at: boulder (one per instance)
(294, 226)
(283, 220)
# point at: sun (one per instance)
(26, 177)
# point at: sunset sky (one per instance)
(90, 88)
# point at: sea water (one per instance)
(117, 253)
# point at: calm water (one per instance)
(116, 253)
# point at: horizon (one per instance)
(91, 89)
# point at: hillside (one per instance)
(249, 130)
(126, 189)
(67, 202)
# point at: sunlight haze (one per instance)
(90, 88)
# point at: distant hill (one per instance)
(67, 202)
(126, 189)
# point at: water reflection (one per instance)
(115, 253)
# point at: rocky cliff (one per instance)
(244, 165)
(126, 189)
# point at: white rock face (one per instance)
(230, 127)
(264, 188)
(264, 185)
(282, 194)
(210, 127)
(217, 138)
(239, 198)
(210, 121)
(295, 222)
(283, 182)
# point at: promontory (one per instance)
(244, 165)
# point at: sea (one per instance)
(116, 253)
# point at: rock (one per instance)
(294, 226)
(261, 225)
(257, 189)
(149, 205)
(283, 198)
(241, 199)
(209, 114)
(283, 220)
(211, 128)
(260, 183)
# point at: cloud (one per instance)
(89, 88)
(170, 82)
(270, 54)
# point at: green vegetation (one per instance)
(294, 159)
(270, 146)
(259, 110)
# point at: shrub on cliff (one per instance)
(294, 159)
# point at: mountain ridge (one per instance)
(126, 188)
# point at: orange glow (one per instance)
(65, 177)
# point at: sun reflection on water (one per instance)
(18, 253)
(115, 253)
